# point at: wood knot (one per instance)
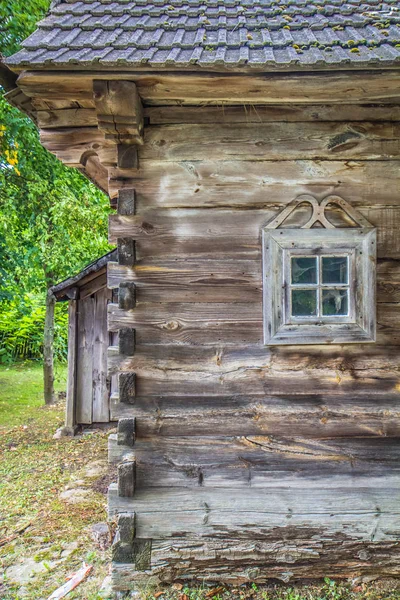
(147, 227)
(171, 325)
(344, 141)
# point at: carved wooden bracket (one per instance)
(120, 117)
(318, 212)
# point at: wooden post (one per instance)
(72, 357)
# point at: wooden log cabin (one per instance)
(252, 151)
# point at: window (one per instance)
(319, 285)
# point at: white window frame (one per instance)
(359, 326)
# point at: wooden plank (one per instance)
(84, 380)
(351, 358)
(259, 184)
(272, 141)
(94, 285)
(261, 461)
(363, 513)
(237, 562)
(191, 281)
(155, 379)
(72, 364)
(101, 391)
(192, 88)
(217, 280)
(315, 416)
(66, 117)
(250, 113)
(235, 233)
(215, 324)
(50, 118)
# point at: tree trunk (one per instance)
(48, 349)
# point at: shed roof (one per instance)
(88, 273)
(218, 34)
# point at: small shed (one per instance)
(252, 149)
(88, 387)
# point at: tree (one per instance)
(52, 219)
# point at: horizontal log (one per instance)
(67, 117)
(167, 115)
(362, 513)
(316, 416)
(261, 461)
(192, 88)
(272, 141)
(51, 118)
(216, 324)
(258, 184)
(237, 562)
(191, 281)
(352, 358)
(217, 280)
(236, 233)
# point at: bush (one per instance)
(21, 329)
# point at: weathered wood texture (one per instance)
(229, 233)
(313, 431)
(315, 415)
(261, 461)
(92, 392)
(190, 88)
(235, 562)
(365, 513)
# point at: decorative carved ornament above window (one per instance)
(318, 212)
(319, 278)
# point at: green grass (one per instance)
(34, 470)
(21, 391)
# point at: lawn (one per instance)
(21, 392)
(42, 531)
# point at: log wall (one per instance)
(249, 462)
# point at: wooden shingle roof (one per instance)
(264, 34)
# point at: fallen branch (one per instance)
(75, 580)
(14, 535)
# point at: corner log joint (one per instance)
(120, 117)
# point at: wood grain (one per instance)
(189, 88)
(273, 141)
(365, 513)
(183, 232)
(260, 461)
(315, 415)
(258, 184)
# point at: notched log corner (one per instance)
(126, 341)
(127, 387)
(142, 554)
(126, 251)
(126, 433)
(126, 202)
(127, 479)
(122, 549)
(127, 295)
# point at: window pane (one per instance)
(304, 303)
(335, 302)
(334, 269)
(304, 269)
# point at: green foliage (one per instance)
(21, 329)
(17, 21)
(53, 221)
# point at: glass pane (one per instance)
(335, 302)
(304, 303)
(304, 269)
(334, 269)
